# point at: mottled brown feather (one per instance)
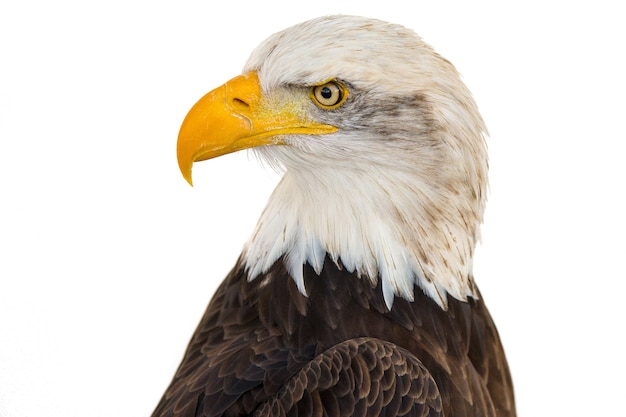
(337, 383)
(263, 348)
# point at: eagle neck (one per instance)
(375, 224)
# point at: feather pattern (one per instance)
(265, 349)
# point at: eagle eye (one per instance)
(329, 95)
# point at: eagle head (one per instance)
(382, 149)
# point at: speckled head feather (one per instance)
(398, 192)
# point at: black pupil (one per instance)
(326, 93)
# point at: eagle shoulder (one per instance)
(358, 377)
(263, 347)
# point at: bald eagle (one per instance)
(354, 296)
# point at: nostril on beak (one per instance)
(239, 104)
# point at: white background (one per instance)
(108, 258)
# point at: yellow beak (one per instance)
(235, 116)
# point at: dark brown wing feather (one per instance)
(359, 377)
(262, 348)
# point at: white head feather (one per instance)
(398, 192)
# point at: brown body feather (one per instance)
(263, 348)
